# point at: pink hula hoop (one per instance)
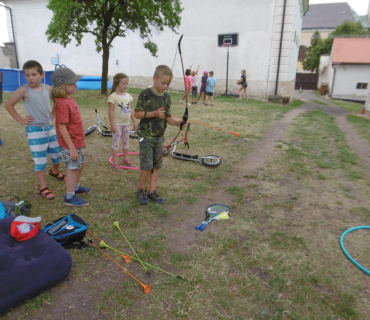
(123, 167)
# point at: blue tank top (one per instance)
(38, 106)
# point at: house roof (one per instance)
(351, 50)
(327, 15)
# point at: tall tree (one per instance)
(109, 19)
(314, 51)
(319, 46)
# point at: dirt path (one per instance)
(261, 154)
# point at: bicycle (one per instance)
(104, 133)
(209, 160)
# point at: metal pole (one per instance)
(227, 70)
(15, 46)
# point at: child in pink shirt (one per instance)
(187, 87)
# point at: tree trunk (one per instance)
(104, 75)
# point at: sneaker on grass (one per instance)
(155, 197)
(76, 201)
(142, 196)
(82, 189)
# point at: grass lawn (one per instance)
(278, 257)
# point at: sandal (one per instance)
(116, 167)
(46, 193)
(59, 175)
(128, 163)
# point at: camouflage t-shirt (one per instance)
(152, 128)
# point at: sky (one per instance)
(360, 6)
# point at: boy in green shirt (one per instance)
(153, 110)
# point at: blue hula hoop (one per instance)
(347, 254)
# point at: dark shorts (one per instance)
(209, 94)
(150, 151)
(194, 91)
(73, 164)
(203, 88)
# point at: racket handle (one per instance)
(203, 226)
(199, 226)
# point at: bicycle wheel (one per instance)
(89, 130)
(106, 133)
(211, 161)
(133, 134)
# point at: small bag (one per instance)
(67, 230)
(20, 207)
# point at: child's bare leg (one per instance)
(240, 92)
(115, 157)
(125, 154)
(79, 173)
(71, 179)
(144, 174)
(153, 180)
(41, 176)
(211, 99)
(55, 167)
(245, 92)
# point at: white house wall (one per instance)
(345, 81)
(290, 46)
(324, 71)
(258, 23)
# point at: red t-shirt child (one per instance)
(67, 112)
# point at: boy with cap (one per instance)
(70, 133)
(39, 128)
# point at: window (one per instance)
(302, 52)
(361, 85)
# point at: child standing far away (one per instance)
(210, 89)
(187, 87)
(243, 85)
(153, 109)
(70, 132)
(39, 129)
(120, 112)
(203, 87)
(194, 86)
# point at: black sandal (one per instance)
(46, 193)
(59, 175)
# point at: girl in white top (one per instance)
(120, 112)
(194, 86)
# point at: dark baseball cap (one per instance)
(64, 76)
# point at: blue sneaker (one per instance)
(142, 196)
(76, 201)
(82, 189)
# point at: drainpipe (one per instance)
(15, 46)
(281, 44)
(332, 85)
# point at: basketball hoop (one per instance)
(226, 45)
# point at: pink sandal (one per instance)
(116, 167)
(128, 163)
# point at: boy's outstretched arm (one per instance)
(176, 123)
(19, 94)
(197, 69)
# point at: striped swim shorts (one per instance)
(43, 141)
